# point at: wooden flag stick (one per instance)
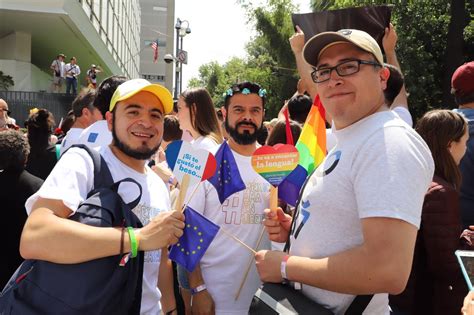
(273, 207)
(249, 266)
(273, 198)
(192, 194)
(182, 193)
(237, 240)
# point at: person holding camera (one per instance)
(92, 76)
(72, 72)
(58, 73)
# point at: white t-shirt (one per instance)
(205, 143)
(380, 167)
(96, 135)
(72, 137)
(71, 180)
(401, 112)
(225, 262)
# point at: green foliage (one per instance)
(422, 49)
(422, 28)
(269, 63)
(6, 81)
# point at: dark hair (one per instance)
(278, 133)
(202, 113)
(465, 99)
(40, 124)
(439, 128)
(238, 87)
(219, 114)
(262, 135)
(14, 150)
(171, 129)
(85, 99)
(394, 84)
(299, 107)
(68, 121)
(105, 91)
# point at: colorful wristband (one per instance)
(283, 267)
(198, 289)
(133, 241)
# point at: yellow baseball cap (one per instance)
(132, 87)
(317, 44)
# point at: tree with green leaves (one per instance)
(434, 38)
(6, 81)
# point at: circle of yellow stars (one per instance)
(201, 240)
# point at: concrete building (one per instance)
(157, 24)
(101, 32)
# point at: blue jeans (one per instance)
(71, 82)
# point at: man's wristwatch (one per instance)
(198, 289)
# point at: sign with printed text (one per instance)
(183, 158)
(275, 163)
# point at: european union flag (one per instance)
(227, 179)
(198, 235)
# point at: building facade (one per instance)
(101, 32)
(157, 25)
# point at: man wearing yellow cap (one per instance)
(135, 118)
(354, 230)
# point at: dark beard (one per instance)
(139, 154)
(246, 137)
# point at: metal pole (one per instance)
(176, 77)
(181, 70)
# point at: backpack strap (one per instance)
(102, 175)
(359, 304)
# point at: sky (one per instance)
(218, 32)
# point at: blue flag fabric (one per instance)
(198, 235)
(289, 188)
(227, 179)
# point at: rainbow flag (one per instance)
(312, 148)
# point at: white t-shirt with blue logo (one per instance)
(96, 135)
(380, 167)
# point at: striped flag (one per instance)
(154, 45)
(312, 148)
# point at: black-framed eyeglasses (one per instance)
(5, 110)
(343, 69)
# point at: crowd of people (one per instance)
(380, 217)
(68, 74)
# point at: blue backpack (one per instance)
(98, 286)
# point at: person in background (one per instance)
(92, 76)
(436, 284)
(85, 114)
(196, 114)
(17, 186)
(395, 94)
(462, 88)
(43, 156)
(59, 73)
(72, 73)
(298, 107)
(5, 121)
(98, 134)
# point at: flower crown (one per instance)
(229, 92)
